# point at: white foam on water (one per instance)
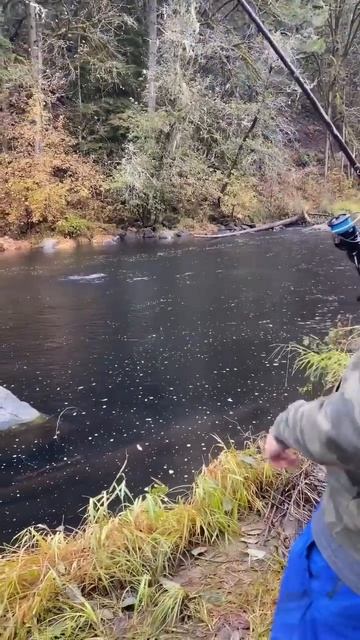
(93, 277)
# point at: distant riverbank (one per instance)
(200, 230)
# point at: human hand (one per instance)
(278, 456)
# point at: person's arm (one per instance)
(326, 430)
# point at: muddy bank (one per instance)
(8, 244)
(51, 244)
(11, 245)
(206, 230)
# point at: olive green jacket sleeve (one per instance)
(326, 430)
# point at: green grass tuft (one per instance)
(349, 206)
(323, 361)
(55, 586)
(72, 226)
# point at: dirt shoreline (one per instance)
(57, 243)
(50, 244)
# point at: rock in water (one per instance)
(13, 411)
(149, 234)
(49, 245)
(166, 235)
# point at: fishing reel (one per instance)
(345, 228)
(346, 236)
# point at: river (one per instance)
(165, 346)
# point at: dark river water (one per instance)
(166, 346)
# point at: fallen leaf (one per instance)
(106, 614)
(257, 554)
(128, 602)
(169, 585)
(250, 539)
(252, 529)
(213, 597)
(61, 568)
(199, 551)
(74, 594)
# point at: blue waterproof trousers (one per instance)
(313, 603)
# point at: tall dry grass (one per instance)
(61, 586)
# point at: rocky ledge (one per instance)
(51, 244)
(14, 412)
(8, 244)
(55, 244)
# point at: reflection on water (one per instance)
(169, 346)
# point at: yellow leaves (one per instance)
(241, 198)
(56, 585)
(45, 188)
(48, 188)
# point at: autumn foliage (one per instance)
(40, 191)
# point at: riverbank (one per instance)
(205, 562)
(204, 230)
(205, 227)
(50, 244)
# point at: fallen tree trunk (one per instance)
(298, 219)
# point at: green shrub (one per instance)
(323, 361)
(73, 227)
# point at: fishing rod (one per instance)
(346, 234)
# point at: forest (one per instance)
(171, 113)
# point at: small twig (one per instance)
(57, 430)
(287, 369)
(216, 561)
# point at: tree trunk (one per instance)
(244, 139)
(298, 219)
(328, 141)
(5, 101)
(152, 54)
(303, 86)
(79, 92)
(34, 34)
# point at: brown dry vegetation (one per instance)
(55, 191)
(128, 575)
(227, 137)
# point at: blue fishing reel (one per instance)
(346, 236)
(344, 226)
